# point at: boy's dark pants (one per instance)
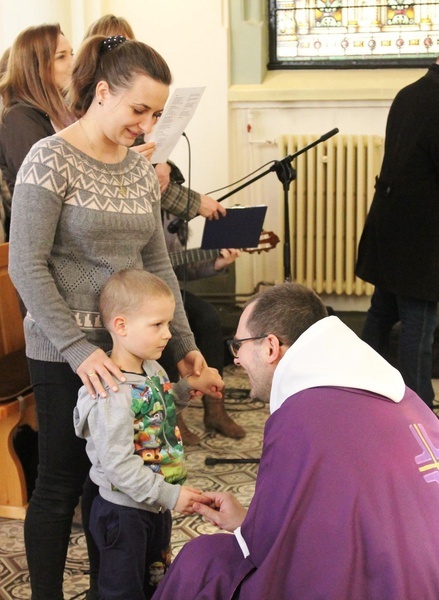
(134, 548)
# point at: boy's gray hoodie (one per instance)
(133, 441)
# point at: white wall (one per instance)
(15, 16)
(192, 37)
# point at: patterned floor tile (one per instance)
(236, 478)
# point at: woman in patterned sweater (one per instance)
(85, 206)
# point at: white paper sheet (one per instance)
(179, 110)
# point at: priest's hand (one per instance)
(209, 382)
(225, 511)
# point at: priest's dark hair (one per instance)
(285, 310)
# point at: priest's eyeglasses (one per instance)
(235, 345)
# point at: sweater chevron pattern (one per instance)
(71, 230)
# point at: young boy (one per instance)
(133, 441)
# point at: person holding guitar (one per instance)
(206, 326)
(186, 204)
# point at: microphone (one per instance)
(321, 139)
(175, 224)
(328, 135)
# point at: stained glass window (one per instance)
(353, 33)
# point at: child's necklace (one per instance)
(122, 188)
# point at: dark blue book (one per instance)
(240, 228)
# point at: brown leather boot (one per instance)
(189, 438)
(217, 418)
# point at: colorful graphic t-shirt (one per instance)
(157, 439)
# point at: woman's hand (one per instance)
(146, 150)
(191, 364)
(163, 170)
(98, 366)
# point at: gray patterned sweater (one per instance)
(71, 229)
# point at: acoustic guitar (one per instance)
(267, 241)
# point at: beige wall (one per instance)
(300, 102)
(201, 39)
(191, 35)
(273, 103)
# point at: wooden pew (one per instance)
(17, 402)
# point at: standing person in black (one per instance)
(399, 247)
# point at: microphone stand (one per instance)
(286, 174)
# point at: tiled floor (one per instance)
(237, 478)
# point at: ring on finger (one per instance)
(91, 373)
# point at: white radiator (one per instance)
(328, 204)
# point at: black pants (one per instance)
(135, 549)
(62, 471)
(418, 323)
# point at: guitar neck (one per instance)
(191, 256)
(267, 241)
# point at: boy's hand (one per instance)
(208, 382)
(188, 496)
